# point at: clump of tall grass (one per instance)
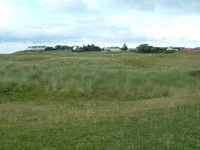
(101, 77)
(98, 83)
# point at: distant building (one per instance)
(173, 48)
(36, 48)
(192, 49)
(187, 49)
(196, 49)
(113, 49)
(76, 49)
(180, 48)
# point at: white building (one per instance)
(76, 49)
(172, 48)
(113, 49)
(36, 48)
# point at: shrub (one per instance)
(145, 48)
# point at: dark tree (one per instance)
(90, 48)
(124, 48)
(49, 49)
(64, 47)
(145, 48)
(58, 47)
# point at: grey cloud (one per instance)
(144, 5)
(92, 30)
(179, 7)
(169, 7)
(112, 6)
(64, 6)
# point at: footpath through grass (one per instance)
(100, 100)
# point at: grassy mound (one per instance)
(99, 100)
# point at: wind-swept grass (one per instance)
(99, 100)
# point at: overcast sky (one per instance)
(101, 22)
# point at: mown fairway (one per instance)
(100, 100)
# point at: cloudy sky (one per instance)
(101, 22)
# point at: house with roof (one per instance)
(172, 48)
(176, 48)
(37, 47)
(187, 49)
(113, 49)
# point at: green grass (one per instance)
(100, 100)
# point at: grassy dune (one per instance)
(100, 100)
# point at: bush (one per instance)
(145, 48)
(86, 48)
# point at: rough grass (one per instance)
(99, 100)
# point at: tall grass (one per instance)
(96, 77)
(99, 100)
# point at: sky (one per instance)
(104, 23)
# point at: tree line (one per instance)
(58, 47)
(143, 48)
